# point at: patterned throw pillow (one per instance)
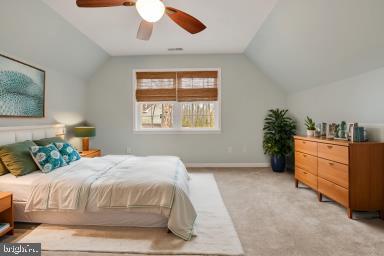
(68, 152)
(48, 158)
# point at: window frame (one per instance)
(178, 129)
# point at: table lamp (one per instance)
(85, 132)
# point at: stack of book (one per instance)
(359, 134)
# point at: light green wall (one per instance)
(246, 96)
(356, 99)
(328, 55)
(31, 30)
(33, 33)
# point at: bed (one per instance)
(107, 191)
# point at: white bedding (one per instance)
(155, 185)
(20, 186)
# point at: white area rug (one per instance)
(216, 233)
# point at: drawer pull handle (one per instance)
(331, 164)
(303, 142)
(305, 172)
(304, 155)
(330, 147)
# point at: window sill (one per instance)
(182, 132)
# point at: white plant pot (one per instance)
(310, 133)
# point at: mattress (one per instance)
(21, 188)
(110, 217)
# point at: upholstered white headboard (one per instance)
(14, 134)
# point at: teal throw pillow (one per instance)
(68, 152)
(47, 158)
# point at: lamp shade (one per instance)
(85, 131)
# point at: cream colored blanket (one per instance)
(120, 182)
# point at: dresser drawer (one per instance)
(306, 177)
(333, 191)
(306, 162)
(305, 146)
(91, 153)
(333, 171)
(333, 152)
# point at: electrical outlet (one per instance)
(229, 149)
(245, 149)
(129, 150)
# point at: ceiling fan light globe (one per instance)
(150, 10)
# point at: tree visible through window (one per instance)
(156, 115)
(198, 115)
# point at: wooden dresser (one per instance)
(351, 174)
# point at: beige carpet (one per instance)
(216, 233)
(273, 218)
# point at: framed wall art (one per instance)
(22, 89)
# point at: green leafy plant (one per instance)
(310, 124)
(278, 132)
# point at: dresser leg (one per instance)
(349, 213)
(296, 183)
(319, 196)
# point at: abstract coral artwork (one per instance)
(21, 89)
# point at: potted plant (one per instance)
(278, 132)
(311, 127)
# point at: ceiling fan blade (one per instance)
(104, 3)
(186, 21)
(145, 30)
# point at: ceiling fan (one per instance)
(151, 11)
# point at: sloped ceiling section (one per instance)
(307, 43)
(231, 25)
(31, 30)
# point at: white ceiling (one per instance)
(231, 26)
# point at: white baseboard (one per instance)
(224, 165)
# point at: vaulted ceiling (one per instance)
(307, 43)
(231, 26)
(298, 43)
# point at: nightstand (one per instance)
(6, 212)
(91, 153)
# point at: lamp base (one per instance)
(86, 144)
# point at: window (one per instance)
(177, 101)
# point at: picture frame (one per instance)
(22, 89)
(331, 131)
(351, 127)
(321, 129)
